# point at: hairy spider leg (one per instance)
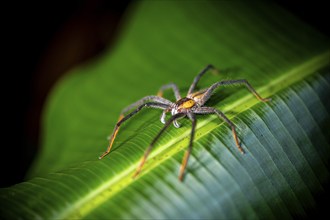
(210, 110)
(123, 118)
(113, 136)
(197, 78)
(136, 104)
(189, 149)
(147, 152)
(145, 99)
(172, 86)
(244, 82)
(152, 98)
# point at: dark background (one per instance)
(42, 40)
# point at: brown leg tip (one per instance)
(267, 100)
(103, 155)
(241, 149)
(135, 174)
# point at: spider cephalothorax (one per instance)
(188, 106)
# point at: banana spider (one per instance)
(188, 106)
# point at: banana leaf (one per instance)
(285, 168)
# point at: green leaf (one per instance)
(286, 141)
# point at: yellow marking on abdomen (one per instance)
(188, 104)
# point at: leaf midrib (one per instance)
(98, 196)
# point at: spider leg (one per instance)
(123, 118)
(210, 110)
(188, 151)
(147, 152)
(244, 82)
(151, 98)
(197, 78)
(172, 86)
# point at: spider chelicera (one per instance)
(189, 106)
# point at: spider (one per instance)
(189, 106)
